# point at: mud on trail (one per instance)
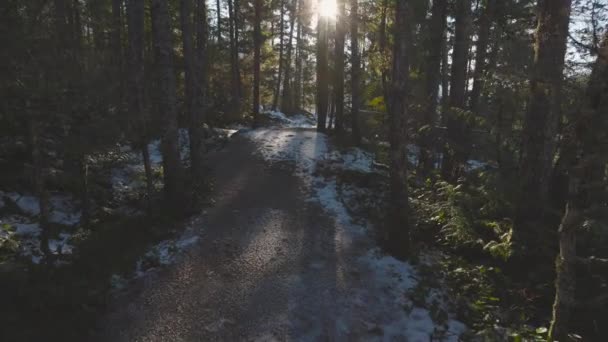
(278, 259)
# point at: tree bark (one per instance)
(233, 10)
(565, 283)
(588, 135)
(398, 216)
(383, 46)
(195, 65)
(135, 18)
(542, 116)
(457, 143)
(277, 92)
(481, 54)
(356, 72)
(40, 185)
(339, 66)
(433, 76)
(322, 73)
(167, 103)
(257, 47)
(297, 99)
(218, 10)
(287, 99)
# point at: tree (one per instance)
(257, 47)
(277, 92)
(235, 75)
(542, 116)
(135, 18)
(481, 53)
(339, 66)
(437, 27)
(287, 98)
(587, 138)
(199, 75)
(355, 71)
(194, 65)
(456, 148)
(167, 102)
(322, 72)
(398, 215)
(218, 10)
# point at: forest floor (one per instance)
(279, 256)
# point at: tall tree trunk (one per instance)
(257, 47)
(445, 79)
(287, 98)
(167, 101)
(322, 72)
(277, 92)
(190, 70)
(398, 215)
(135, 18)
(194, 63)
(233, 9)
(339, 66)
(218, 9)
(565, 265)
(589, 136)
(40, 185)
(117, 51)
(456, 148)
(297, 87)
(481, 54)
(542, 116)
(356, 71)
(433, 77)
(383, 46)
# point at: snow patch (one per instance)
(165, 252)
(62, 208)
(294, 121)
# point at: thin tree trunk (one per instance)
(356, 72)
(194, 63)
(384, 48)
(218, 10)
(433, 77)
(287, 99)
(398, 236)
(485, 22)
(445, 79)
(339, 66)
(167, 103)
(40, 186)
(565, 265)
(257, 47)
(457, 147)
(135, 18)
(277, 92)
(234, 58)
(322, 73)
(540, 122)
(297, 99)
(116, 40)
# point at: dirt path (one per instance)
(271, 265)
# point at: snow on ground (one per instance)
(384, 281)
(25, 227)
(298, 120)
(164, 253)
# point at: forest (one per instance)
(309, 170)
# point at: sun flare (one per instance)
(328, 8)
